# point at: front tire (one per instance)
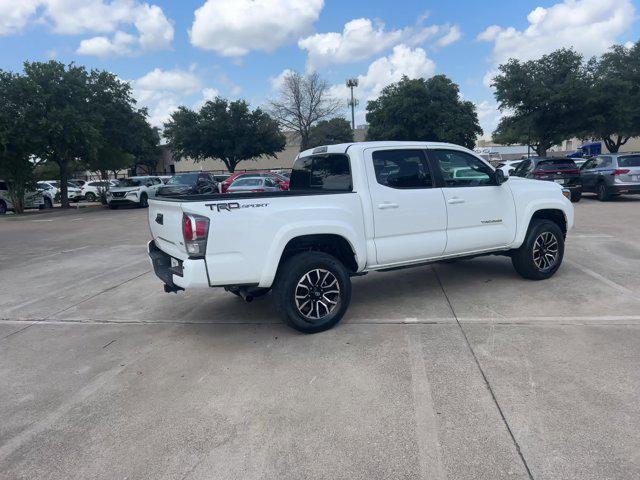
(113, 207)
(540, 256)
(48, 203)
(90, 197)
(3, 207)
(576, 196)
(144, 201)
(312, 291)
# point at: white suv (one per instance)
(133, 191)
(32, 199)
(51, 188)
(92, 189)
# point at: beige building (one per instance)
(284, 160)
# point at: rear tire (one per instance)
(3, 207)
(90, 197)
(312, 291)
(601, 191)
(540, 256)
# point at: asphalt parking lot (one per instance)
(460, 370)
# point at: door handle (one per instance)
(455, 200)
(387, 205)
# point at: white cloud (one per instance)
(14, 15)
(453, 35)
(149, 28)
(162, 91)
(488, 116)
(403, 60)
(278, 81)
(588, 26)
(360, 39)
(233, 28)
(363, 38)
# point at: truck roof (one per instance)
(343, 147)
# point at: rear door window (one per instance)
(402, 169)
(322, 172)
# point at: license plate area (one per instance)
(559, 181)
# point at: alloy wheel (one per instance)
(317, 294)
(545, 251)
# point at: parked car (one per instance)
(51, 189)
(562, 171)
(92, 190)
(507, 165)
(189, 184)
(254, 184)
(611, 175)
(133, 191)
(280, 180)
(32, 199)
(351, 209)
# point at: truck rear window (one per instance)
(321, 172)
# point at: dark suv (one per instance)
(610, 175)
(562, 171)
(189, 184)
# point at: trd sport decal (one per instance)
(229, 206)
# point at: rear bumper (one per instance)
(185, 274)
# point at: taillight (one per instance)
(621, 171)
(539, 172)
(195, 229)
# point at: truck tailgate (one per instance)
(165, 223)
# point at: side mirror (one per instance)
(500, 177)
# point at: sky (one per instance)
(186, 52)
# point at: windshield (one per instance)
(557, 164)
(183, 179)
(630, 161)
(130, 182)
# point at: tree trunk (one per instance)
(614, 146)
(304, 141)
(541, 150)
(64, 174)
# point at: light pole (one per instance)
(351, 84)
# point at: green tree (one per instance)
(64, 117)
(16, 163)
(330, 132)
(614, 101)
(421, 109)
(228, 131)
(546, 100)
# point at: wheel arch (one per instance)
(336, 242)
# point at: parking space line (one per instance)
(429, 449)
(484, 377)
(624, 290)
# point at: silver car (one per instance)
(253, 184)
(611, 174)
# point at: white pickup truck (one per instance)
(351, 209)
